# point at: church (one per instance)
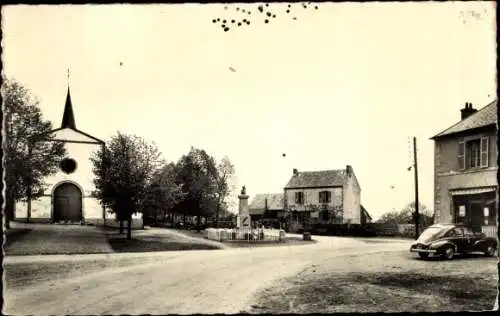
(68, 198)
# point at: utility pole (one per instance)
(415, 168)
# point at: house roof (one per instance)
(483, 117)
(313, 179)
(363, 209)
(258, 204)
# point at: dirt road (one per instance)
(217, 281)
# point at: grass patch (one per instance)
(52, 241)
(14, 234)
(386, 282)
(149, 245)
(382, 292)
(145, 241)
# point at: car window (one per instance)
(468, 231)
(450, 233)
(458, 231)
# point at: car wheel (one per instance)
(490, 251)
(449, 253)
(423, 255)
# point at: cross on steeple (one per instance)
(68, 120)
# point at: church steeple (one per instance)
(68, 120)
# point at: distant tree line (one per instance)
(407, 215)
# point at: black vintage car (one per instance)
(449, 239)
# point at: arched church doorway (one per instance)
(67, 202)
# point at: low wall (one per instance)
(221, 234)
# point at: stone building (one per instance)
(465, 170)
(329, 196)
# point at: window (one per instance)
(490, 216)
(458, 232)
(68, 165)
(299, 198)
(473, 153)
(325, 196)
(468, 231)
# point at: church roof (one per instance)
(68, 120)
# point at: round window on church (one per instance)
(68, 165)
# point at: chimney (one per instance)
(467, 111)
(295, 172)
(348, 170)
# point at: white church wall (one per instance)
(83, 175)
(41, 208)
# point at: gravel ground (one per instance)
(387, 282)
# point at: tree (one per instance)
(197, 173)
(23, 120)
(407, 215)
(163, 193)
(123, 173)
(223, 184)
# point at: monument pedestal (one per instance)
(244, 221)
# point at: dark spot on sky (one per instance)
(267, 4)
(268, 14)
(218, 19)
(239, 23)
(248, 22)
(237, 9)
(225, 8)
(226, 29)
(121, 63)
(295, 18)
(266, 21)
(249, 12)
(274, 15)
(244, 20)
(316, 7)
(287, 11)
(289, 5)
(261, 9)
(232, 21)
(214, 20)
(223, 21)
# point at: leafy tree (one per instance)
(407, 215)
(23, 119)
(196, 173)
(163, 193)
(123, 173)
(223, 184)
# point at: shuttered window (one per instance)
(325, 196)
(299, 198)
(484, 151)
(461, 155)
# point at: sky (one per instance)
(346, 84)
